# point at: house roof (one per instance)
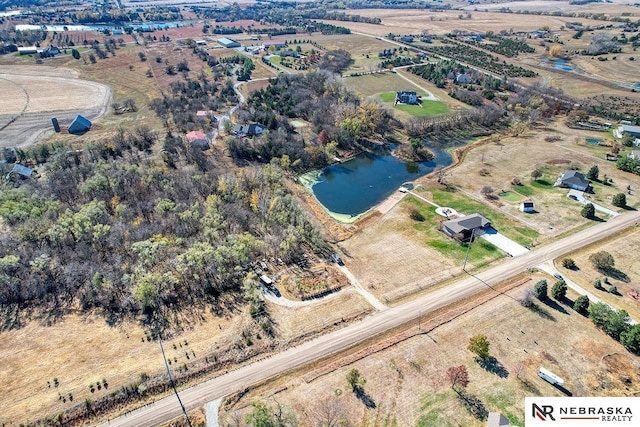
(467, 223)
(196, 135)
(572, 177)
(79, 125)
(631, 129)
(252, 129)
(496, 419)
(21, 170)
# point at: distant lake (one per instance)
(351, 188)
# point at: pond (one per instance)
(349, 189)
(594, 141)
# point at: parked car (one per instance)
(573, 197)
(558, 276)
(337, 259)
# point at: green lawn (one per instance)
(505, 225)
(480, 254)
(427, 108)
(510, 196)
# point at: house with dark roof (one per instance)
(463, 79)
(249, 130)
(573, 179)
(406, 97)
(80, 125)
(463, 227)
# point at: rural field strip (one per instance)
(197, 396)
(548, 267)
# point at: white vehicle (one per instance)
(550, 377)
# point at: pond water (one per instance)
(349, 189)
(593, 141)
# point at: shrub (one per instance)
(540, 290)
(559, 290)
(613, 290)
(568, 263)
(415, 214)
(581, 305)
(597, 284)
(588, 211)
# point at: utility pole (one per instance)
(473, 230)
(173, 385)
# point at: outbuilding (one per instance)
(80, 125)
(527, 206)
(228, 43)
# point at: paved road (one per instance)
(197, 396)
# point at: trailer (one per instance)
(550, 377)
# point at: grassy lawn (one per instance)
(510, 196)
(275, 60)
(481, 253)
(505, 225)
(426, 108)
(374, 84)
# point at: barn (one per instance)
(228, 43)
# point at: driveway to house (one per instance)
(285, 302)
(503, 242)
(578, 196)
(548, 267)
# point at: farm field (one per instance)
(442, 22)
(80, 351)
(405, 383)
(35, 94)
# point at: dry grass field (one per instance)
(621, 247)
(392, 261)
(82, 350)
(400, 22)
(406, 383)
(508, 157)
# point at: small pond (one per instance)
(594, 141)
(351, 188)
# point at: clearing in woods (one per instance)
(406, 383)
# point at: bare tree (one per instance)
(458, 377)
(329, 412)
